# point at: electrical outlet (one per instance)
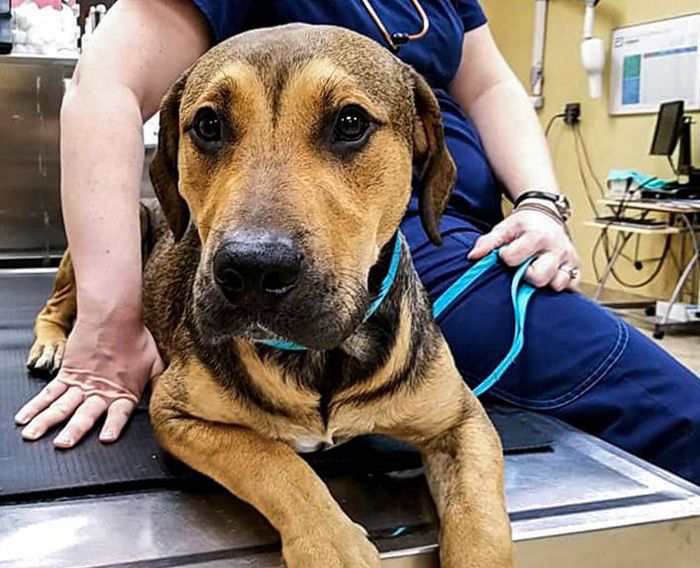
(572, 113)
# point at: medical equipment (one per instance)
(397, 39)
(45, 31)
(537, 68)
(94, 18)
(592, 52)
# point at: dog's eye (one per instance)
(207, 126)
(351, 125)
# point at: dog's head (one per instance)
(292, 149)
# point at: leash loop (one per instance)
(520, 293)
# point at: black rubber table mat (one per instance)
(35, 470)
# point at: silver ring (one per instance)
(570, 271)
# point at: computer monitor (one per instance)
(674, 129)
(668, 128)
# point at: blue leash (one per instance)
(520, 292)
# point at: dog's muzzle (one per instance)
(263, 285)
(257, 268)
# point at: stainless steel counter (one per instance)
(585, 504)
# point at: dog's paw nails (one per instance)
(32, 359)
(46, 357)
(58, 357)
(45, 362)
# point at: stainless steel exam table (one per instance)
(584, 503)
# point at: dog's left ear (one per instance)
(164, 172)
(435, 165)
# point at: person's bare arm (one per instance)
(493, 98)
(139, 49)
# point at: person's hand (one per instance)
(532, 233)
(105, 369)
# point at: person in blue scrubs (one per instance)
(579, 363)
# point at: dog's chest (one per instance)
(311, 443)
(342, 425)
(316, 441)
(298, 422)
(279, 403)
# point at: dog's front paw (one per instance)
(46, 354)
(331, 547)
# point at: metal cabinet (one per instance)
(31, 90)
(31, 226)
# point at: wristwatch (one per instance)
(561, 203)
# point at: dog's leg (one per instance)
(269, 475)
(463, 462)
(55, 320)
(464, 467)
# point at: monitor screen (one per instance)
(668, 128)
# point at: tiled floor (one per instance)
(683, 345)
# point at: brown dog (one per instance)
(283, 171)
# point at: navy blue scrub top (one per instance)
(437, 56)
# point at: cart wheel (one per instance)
(659, 333)
(650, 311)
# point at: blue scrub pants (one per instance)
(580, 363)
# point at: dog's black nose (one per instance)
(259, 265)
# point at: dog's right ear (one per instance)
(436, 168)
(164, 172)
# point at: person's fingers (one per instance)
(500, 235)
(57, 412)
(117, 417)
(561, 279)
(569, 273)
(80, 423)
(520, 237)
(527, 245)
(45, 397)
(544, 270)
(574, 282)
